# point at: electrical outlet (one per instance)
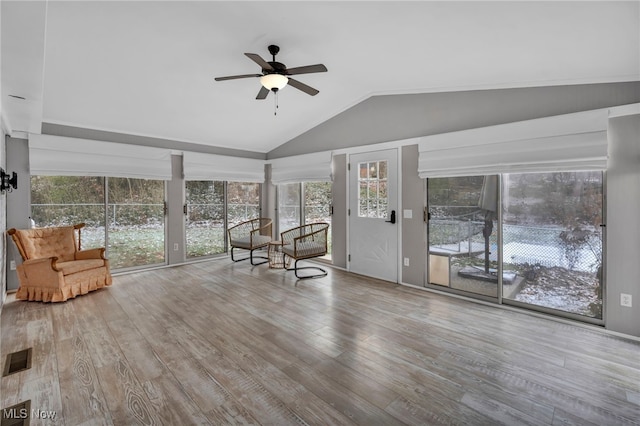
(176, 247)
(625, 300)
(406, 261)
(12, 265)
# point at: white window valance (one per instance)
(559, 143)
(198, 166)
(62, 156)
(314, 167)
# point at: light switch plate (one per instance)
(626, 300)
(408, 213)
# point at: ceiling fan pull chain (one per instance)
(275, 100)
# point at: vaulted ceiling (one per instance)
(147, 68)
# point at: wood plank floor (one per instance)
(223, 343)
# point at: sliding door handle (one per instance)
(393, 217)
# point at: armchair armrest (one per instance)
(41, 271)
(96, 253)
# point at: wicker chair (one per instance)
(305, 242)
(250, 235)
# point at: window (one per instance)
(289, 210)
(373, 198)
(67, 200)
(462, 236)
(130, 224)
(243, 202)
(205, 230)
(552, 239)
(302, 203)
(135, 220)
(206, 212)
(317, 205)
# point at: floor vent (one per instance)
(17, 415)
(17, 361)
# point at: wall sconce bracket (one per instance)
(8, 182)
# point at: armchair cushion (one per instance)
(73, 266)
(54, 269)
(305, 249)
(250, 242)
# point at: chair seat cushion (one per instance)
(305, 249)
(75, 266)
(245, 242)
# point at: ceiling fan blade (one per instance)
(306, 69)
(301, 86)
(258, 60)
(233, 77)
(262, 94)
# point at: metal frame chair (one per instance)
(305, 242)
(251, 235)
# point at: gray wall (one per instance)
(623, 225)
(269, 202)
(397, 117)
(175, 213)
(3, 223)
(339, 218)
(18, 201)
(413, 230)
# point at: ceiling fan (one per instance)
(275, 75)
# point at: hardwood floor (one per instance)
(226, 343)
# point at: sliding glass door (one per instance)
(243, 202)
(548, 253)
(302, 203)
(552, 238)
(462, 234)
(67, 200)
(135, 222)
(205, 213)
(289, 206)
(125, 215)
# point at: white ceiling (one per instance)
(147, 68)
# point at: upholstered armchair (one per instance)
(251, 235)
(305, 242)
(54, 267)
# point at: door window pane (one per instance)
(205, 231)
(553, 240)
(372, 196)
(68, 200)
(135, 221)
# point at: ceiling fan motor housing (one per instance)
(278, 68)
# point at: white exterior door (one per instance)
(373, 217)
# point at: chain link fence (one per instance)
(459, 230)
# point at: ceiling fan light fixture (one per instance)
(273, 81)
